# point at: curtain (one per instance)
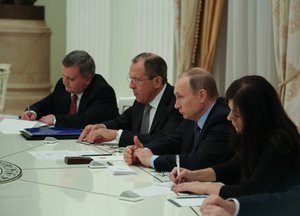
(286, 31)
(249, 43)
(196, 33)
(186, 33)
(211, 23)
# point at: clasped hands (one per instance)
(137, 154)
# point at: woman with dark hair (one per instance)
(266, 141)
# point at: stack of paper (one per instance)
(121, 170)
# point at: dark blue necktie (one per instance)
(197, 131)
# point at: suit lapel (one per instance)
(82, 102)
(188, 134)
(137, 115)
(65, 102)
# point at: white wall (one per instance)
(114, 31)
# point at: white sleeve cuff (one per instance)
(119, 134)
(237, 206)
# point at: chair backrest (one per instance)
(124, 103)
(4, 75)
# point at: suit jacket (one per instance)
(275, 171)
(275, 204)
(166, 119)
(98, 103)
(212, 147)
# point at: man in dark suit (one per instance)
(201, 140)
(94, 99)
(148, 80)
(284, 203)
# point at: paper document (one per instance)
(113, 142)
(59, 155)
(121, 170)
(109, 158)
(3, 116)
(155, 190)
(188, 201)
(14, 126)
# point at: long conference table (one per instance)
(52, 187)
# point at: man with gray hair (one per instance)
(202, 138)
(80, 97)
(152, 115)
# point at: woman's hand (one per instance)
(198, 187)
(184, 176)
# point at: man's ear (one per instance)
(202, 93)
(158, 81)
(89, 77)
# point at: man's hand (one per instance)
(144, 155)
(88, 129)
(48, 119)
(129, 152)
(215, 200)
(100, 135)
(28, 115)
(128, 155)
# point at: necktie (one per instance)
(73, 107)
(145, 121)
(197, 131)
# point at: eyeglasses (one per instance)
(137, 81)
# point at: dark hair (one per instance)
(154, 65)
(265, 121)
(82, 60)
(201, 79)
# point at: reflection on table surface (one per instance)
(51, 187)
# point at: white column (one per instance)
(88, 28)
(154, 30)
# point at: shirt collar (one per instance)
(203, 118)
(154, 103)
(78, 96)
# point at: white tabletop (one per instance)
(51, 187)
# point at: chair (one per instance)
(4, 75)
(124, 103)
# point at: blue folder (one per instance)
(40, 133)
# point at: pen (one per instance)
(28, 107)
(190, 196)
(83, 142)
(178, 164)
(103, 154)
(109, 163)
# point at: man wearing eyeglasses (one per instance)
(152, 115)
